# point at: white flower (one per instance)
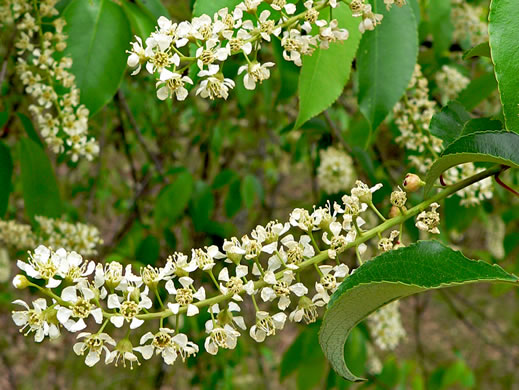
(128, 308)
(297, 251)
(266, 325)
(158, 59)
(95, 345)
(256, 73)
(233, 250)
(215, 85)
(329, 33)
(335, 172)
(172, 83)
(228, 315)
(111, 275)
(168, 345)
(306, 310)
(267, 26)
(137, 56)
(281, 288)
(80, 307)
(44, 264)
(205, 258)
(184, 296)
(279, 5)
(428, 221)
(123, 351)
(234, 284)
(36, 320)
(302, 219)
(240, 42)
(179, 264)
(249, 6)
(364, 192)
(329, 282)
(220, 337)
(207, 55)
(72, 268)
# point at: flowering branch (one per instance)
(125, 295)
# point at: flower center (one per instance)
(207, 57)
(129, 309)
(161, 340)
(267, 325)
(281, 288)
(184, 296)
(82, 308)
(234, 285)
(160, 59)
(295, 255)
(329, 282)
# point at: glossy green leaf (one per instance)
(40, 189)
(174, 198)
(6, 172)
(141, 21)
(441, 25)
(210, 7)
(99, 33)
(390, 276)
(481, 50)
(325, 73)
(481, 124)
(503, 29)
(499, 147)
(385, 61)
(448, 123)
(478, 90)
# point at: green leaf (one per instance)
(6, 172)
(40, 188)
(210, 7)
(249, 187)
(154, 7)
(148, 250)
(478, 90)
(223, 178)
(448, 123)
(385, 61)
(499, 147)
(441, 26)
(233, 200)
(390, 276)
(481, 124)
(174, 198)
(503, 29)
(98, 36)
(141, 21)
(481, 50)
(201, 206)
(325, 73)
(29, 128)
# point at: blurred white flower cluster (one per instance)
(335, 172)
(385, 326)
(45, 74)
(54, 233)
(413, 116)
(450, 82)
(470, 23)
(201, 46)
(262, 268)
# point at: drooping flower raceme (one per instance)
(262, 269)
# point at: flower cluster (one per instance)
(54, 233)
(262, 268)
(413, 116)
(335, 172)
(202, 45)
(62, 120)
(450, 82)
(386, 327)
(469, 23)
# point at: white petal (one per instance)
(118, 321)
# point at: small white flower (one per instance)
(95, 345)
(220, 337)
(168, 345)
(172, 83)
(44, 264)
(80, 308)
(184, 296)
(281, 288)
(36, 320)
(256, 73)
(234, 285)
(128, 308)
(266, 325)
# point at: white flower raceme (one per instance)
(185, 296)
(39, 320)
(128, 308)
(95, 344)
(256, 73)
(335, 172)
(168, 344)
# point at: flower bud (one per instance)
(395, 211)
(20, 282)
(413, 182)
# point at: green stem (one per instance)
(372, 207)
